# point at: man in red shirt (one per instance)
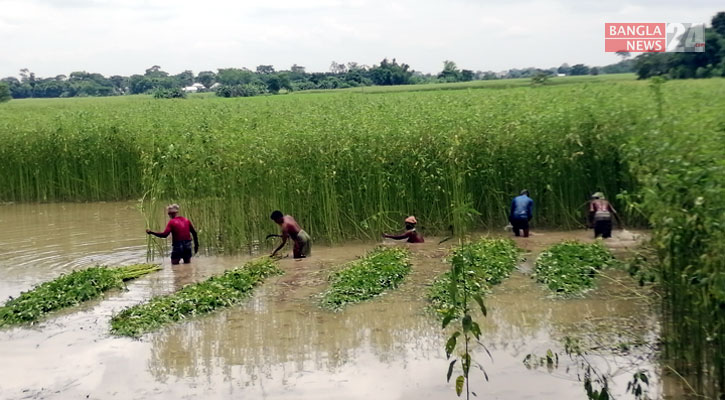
(181, 231)
(291, 229)
(410, 233)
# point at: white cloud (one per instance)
(127, 36)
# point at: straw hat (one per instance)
(172, 208)
(411, 220)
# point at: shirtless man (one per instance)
(181, 231)
(600, 216)
(290, 229)
(410, 233)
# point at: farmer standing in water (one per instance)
(410, 233)
(291, 229)
(522, 210)
(181, 231)
(600, 216)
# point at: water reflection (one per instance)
(280, 337)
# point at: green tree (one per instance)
(234, 76)
(390, 73)
(265, 69)
(49, 88)
(651, 64)
(718, 23)
(156, 72)
(274, 84)
(579, 69)
(450, 72)
(120, 83)
(18, 89)
(206, 78)
(624, 54)
(4, 92)
(185, 78)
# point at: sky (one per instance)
(124, 37)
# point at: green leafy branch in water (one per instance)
(596, 383)
(196, 299)
(550, 360)
(381, 269)
(462, 275)
(635, 385)
(68, 290)
(488, 263)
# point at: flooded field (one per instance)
(280, 345)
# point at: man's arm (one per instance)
(616, 215)
(399, 237)
(284, 241)
(590, 216)
(163, 234)
(513, 208)
(530, 210)
(196, 238)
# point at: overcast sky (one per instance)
(125, 37)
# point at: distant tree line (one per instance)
(236, 82)
(709, 63)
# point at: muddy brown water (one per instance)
(279, 344)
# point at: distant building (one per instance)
(560, 74)
(197, 87)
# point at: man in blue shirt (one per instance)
(522, 208)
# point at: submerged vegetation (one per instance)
(68, 290)
(570, 267)
(195, 299)
(486, 262)
(381, 269)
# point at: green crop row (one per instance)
(196, 299)
(68, 290)
(570, 267)
(381, 269)
(484, 263)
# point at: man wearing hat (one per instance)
(410, 233)
(181, 231)
(600, 216)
